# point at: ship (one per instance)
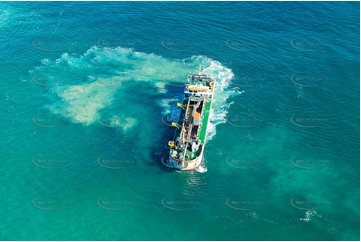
(186, 149)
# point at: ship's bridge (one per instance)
(200, 85)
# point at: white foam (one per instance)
(202, 168)
(223, 92)
(308, 215)
(82, 98)
(161, 87)
(123, 122)
(220, 106)
(170, 108)
(81, 103)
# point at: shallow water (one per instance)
(85, 87)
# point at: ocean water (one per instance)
(88, 88)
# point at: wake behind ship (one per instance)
(187, 146)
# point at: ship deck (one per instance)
(190, 135)
(204, 121)
(206, 112)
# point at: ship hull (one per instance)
(192, 164)
(188, 144)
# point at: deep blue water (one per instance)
(85, 86)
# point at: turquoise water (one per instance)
(85, 87)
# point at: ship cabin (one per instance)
(199, 86)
